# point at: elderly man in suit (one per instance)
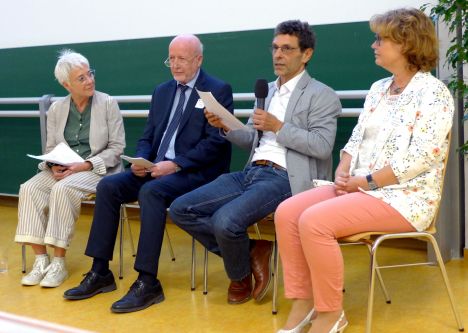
(291, 142)
(187, 153)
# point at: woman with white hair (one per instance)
(90, 123)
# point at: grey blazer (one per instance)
(308, 133)
(106, 133)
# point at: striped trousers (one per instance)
(48, 209)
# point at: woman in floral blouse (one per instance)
(389, 178)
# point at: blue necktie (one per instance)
(171, 129)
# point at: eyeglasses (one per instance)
(90, 75)
(171, 61)
(284, 49)
(378, 39)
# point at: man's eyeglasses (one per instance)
(90, 75)
(170, 62)
(378, 39)
(284, 49)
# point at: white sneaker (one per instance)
(56, 274)
(38, 271)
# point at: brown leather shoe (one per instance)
(240, 291)
(260, 263)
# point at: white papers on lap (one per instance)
(61, 154)
(140, 161)
(320, 182)
(213, 106)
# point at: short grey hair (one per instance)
(68, 60)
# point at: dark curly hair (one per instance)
(301, 30)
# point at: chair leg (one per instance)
(23, 258)
(194, 261)
(370, 301)
(274, 309)
(169, 244)
(127, 222)
(123, 218)
(443, 271)
(379, 276)
(257, 231)
(205, 273)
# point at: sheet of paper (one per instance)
(213, 106)
(61, 154)
(140, 161)
(320, 182)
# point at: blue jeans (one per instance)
(219, 213)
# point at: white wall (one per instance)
(48, 22)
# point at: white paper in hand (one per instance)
(213, 106)
(61, 154)
(140, 161)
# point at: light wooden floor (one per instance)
(419, 301)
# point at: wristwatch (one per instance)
(370, 181)
(177, 168)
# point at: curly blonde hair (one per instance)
(414, 31)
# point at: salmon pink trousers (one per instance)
(307, 228)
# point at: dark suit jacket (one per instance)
(199, 149)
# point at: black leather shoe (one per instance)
(92, 284)
(140, 296)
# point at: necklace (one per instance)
(395, 90)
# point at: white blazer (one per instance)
(106, 133)
(413, 141)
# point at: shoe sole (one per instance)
(48, 285)
(105, 289)
(241, 301)
(27, 284)
(156, 300)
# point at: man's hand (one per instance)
(163, 168)
(138, 171)
(214, 120)
(265, 121)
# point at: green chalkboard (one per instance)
(342, 59)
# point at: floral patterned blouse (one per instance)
(413, 141)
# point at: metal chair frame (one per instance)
(205, 263)
(373, 246)
(373, 240)
(123, 221)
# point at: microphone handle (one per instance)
(261, 103)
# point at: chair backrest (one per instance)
(432, 227)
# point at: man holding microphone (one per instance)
(290, 142)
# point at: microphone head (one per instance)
(261, 88)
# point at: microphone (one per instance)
(261, 92)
